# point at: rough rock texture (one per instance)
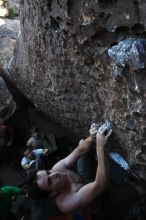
(9, 8)
(7, 104)
(13, 4)
(61, 63)
(9, 30)
(130, 52)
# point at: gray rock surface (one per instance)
(7, 104)
(130, 52)
(9, 30)
(9, 8)
(13, 4)
(61, 63)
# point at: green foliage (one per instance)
(12, 12)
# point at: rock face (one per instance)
(62, 64)
(9, 30)
(7, 104)
(130, 52)
(13, 4)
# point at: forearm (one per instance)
(27, 166)
(44, 151)
(85, 145)
(102, 174)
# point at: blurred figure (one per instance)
(32, 159)
(35, 141)
(6, 197)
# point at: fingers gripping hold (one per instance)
(104, 129)
(93, 129)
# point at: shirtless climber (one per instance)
(71, 191)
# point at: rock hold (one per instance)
(131, 52)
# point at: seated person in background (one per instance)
(72, 191)
(33, 158)
(35, 141)
(6, 196)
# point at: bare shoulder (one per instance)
(76, 199)
(64, 202)
(59, 166)
(68, 201)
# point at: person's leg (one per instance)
(37, 164)
(118, 199)
(86, 166)
(118, 174)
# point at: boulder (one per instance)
(9, 30)
(61, 64)
(7, 103)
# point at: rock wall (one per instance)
(7, 103)
(9, 30)
(62, 65)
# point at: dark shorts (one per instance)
(86, 167)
